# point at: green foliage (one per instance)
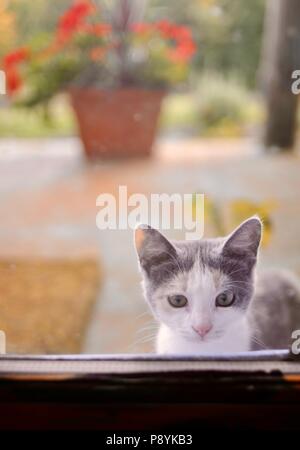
(179, 112)
(55, 120)
(50, 77)
(224, 106)
(220, 107)
(87, 49)
(228, 32)
(35, 17)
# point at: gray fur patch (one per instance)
(274, 312)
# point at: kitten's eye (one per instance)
(225, 299)
(177, 301)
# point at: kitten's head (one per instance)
(199, 288)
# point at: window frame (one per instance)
(261, 388)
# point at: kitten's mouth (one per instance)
(197, 338)
(209, 337)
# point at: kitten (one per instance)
(202, 292)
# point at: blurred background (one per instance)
(160, 96)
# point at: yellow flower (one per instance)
(223, 218)
(242, 209)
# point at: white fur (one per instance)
(230, 331)
(236, 339)
(182, 330)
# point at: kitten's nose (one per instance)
(202, 330)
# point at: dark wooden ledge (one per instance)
(252, 391)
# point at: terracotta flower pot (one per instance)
(117, 123)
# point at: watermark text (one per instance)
(296, 83)
(165, 211)
(2, 83)
(2, 343)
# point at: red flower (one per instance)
(13, 81)
(166, 28)
(16, 57)
(184, 45)
(72, 19)
(141, 28)
(180, 32)
(183, 52)
(10, 62)
(101, 29)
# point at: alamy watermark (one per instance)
(164, 211)
(296, 83)
(295, 348)
(2, 82)
(2, 343)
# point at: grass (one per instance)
(23, 122)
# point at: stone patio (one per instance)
(48, 211)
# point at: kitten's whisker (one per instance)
(259, 342)
(148, 335)
(150, 326)
(144, 340)
(243, 289)
(238, 283)
(143, 330)
(234, 271)
(248, 283)
(151, 321)
(143, 314)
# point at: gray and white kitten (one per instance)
(202, 293)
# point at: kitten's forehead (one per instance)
(205, 252)
(195, 260)
(199, 279)
(199, 266)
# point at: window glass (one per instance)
(177, 115)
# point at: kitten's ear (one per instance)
(152, 247)
(245, 240)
